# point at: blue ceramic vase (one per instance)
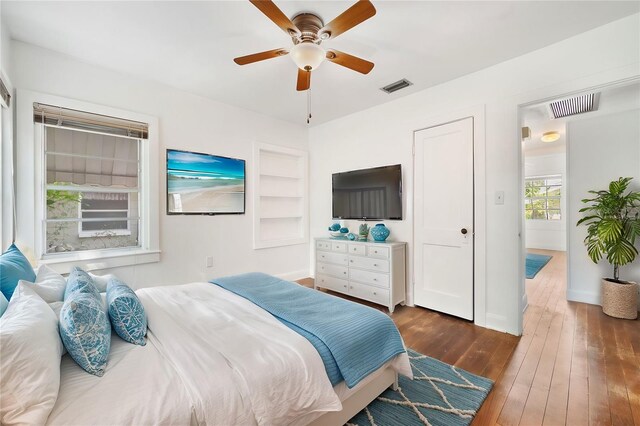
(380, 232)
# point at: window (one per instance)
(542, 197)
(92, 188)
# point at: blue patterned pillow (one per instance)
(80, 282)
(85, 331)
(126, 312)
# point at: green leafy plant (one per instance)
(613, 224)
(55, 196)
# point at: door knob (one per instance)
(464, 231)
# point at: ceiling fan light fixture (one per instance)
(307, 56)
(550, 136)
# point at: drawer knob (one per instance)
(375, 251)
(375, 294)
(352, 261)
(351, 287)
(345, 286)
(345, 273)
(375, 279)
(375, 264)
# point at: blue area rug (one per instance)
(535, 262)
(439, 394)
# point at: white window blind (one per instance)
(5, 97)
(72, 119)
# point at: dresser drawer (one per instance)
(332, 283)
(373, 294)
(334, 270)
(357, 249)
(367, 263)
(328, 257)
(340, 247)
(378, 252)
(367, 277)
(323, 245)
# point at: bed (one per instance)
(214, 357)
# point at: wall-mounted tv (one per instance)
(369, 194)
(204, 184)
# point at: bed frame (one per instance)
(360, 399)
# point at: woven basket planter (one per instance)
(620, 300)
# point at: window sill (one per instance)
(100, 259)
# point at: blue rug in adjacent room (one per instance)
(535, 262)
(439, 394)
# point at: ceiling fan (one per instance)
(307, 32)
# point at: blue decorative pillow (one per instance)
(80, 282)
(126, 312)
(3, 304)
(13, 268)
(85, 331)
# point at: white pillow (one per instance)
(30, 350)
(49, 284)
(100, 281)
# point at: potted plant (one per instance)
(613, 223)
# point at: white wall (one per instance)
(547, 234)
(600, 149)
(6, 130)
(384, 135)
(186, 122)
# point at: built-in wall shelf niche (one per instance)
(281, 205)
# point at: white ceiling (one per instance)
(190, 45)
(613, 99)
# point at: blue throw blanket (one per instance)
(353, 340)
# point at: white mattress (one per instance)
(211, 357)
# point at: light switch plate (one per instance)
(499, 197)
(209, 261)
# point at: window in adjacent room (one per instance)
(92, 191)
(542, 197)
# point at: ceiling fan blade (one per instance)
(256, 57)
(351, 17)
(304, 80)
(276, 15)
(349, 61)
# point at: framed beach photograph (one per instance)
(207, 184)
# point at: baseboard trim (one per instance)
(584, 297)
(294, 275)
(497, 322)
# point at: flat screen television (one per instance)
(204, 184)
(369, 194)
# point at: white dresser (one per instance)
(363, 269)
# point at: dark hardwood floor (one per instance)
(573, 365)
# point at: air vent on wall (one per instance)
(394, 87)
(573, 106)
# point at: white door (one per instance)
(443, 255)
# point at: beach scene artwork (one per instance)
(205, 184)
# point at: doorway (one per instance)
(444, 218)
(570, 145)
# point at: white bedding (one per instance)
(212, 357)
(138, 387)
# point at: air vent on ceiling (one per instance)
(573, 106)
(394, 87)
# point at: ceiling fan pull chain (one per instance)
(309, 106)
